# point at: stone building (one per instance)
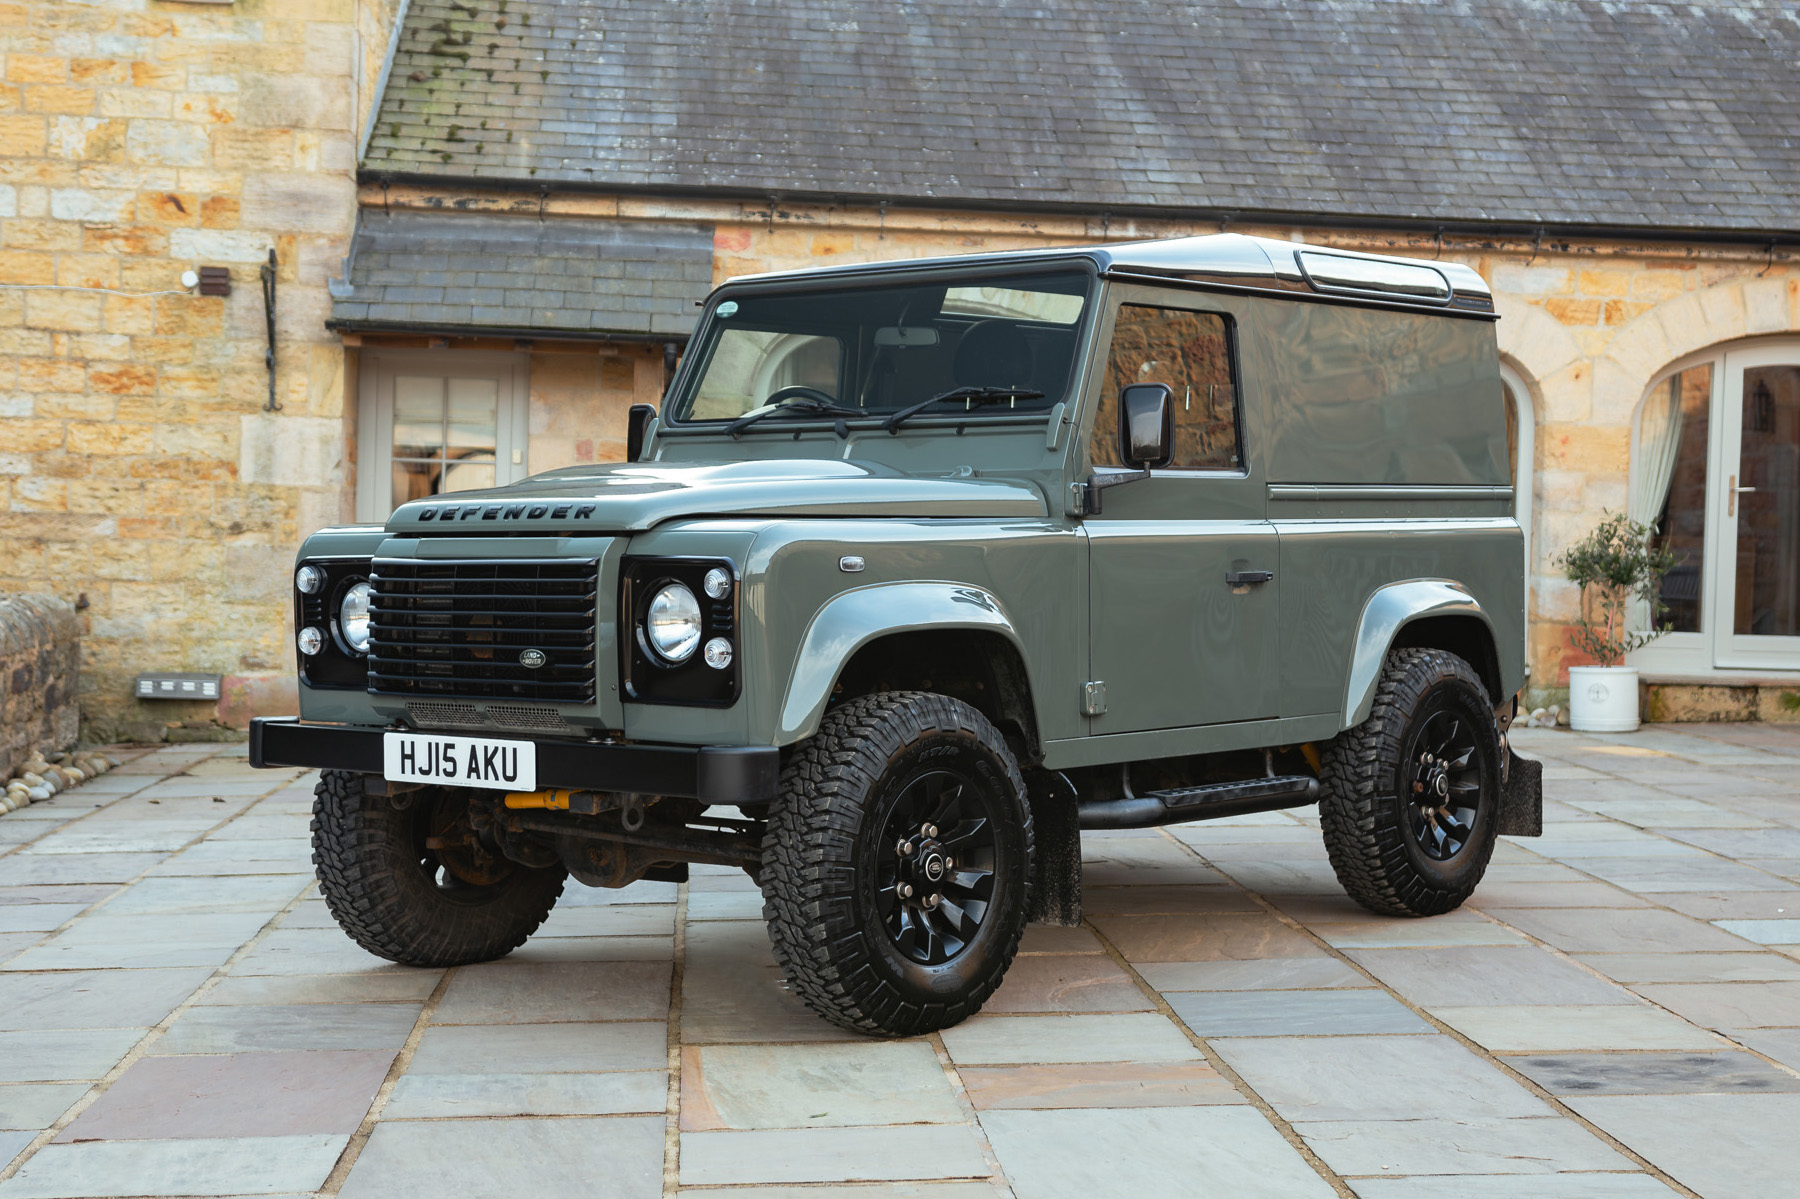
(511, 260)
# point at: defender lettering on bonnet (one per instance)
(922, 568)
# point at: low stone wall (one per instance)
(40, 655)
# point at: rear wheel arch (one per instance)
(1419, 614)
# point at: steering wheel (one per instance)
(798, 391)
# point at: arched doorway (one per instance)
(1715, 466)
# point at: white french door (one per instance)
(438, 421)
(1756, 499)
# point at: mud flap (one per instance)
(1056, 872)
(1522, 797)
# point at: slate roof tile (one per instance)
(1636, 112)
(479, 269)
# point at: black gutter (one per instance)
(502, 331)
(1225, 217)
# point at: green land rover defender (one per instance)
(923, 568)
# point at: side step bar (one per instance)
(1201, 803)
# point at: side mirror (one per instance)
(1147, 424)
(637, 422)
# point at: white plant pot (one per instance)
(1603, 699)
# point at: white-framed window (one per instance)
(1715, 466)
(437, 421)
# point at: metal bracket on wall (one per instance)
(268, 288)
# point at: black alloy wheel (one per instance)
(934, 888)
(1409, 798)
(897, 863)
(1443, 784)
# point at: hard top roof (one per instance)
(1231, 261)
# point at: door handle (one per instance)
(1732, 491)
(1244, 578)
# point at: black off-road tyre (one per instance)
(1393, 855)
(858, 948)
(400, 900)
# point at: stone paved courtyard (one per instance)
(1619, 1007)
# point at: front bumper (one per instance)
(714, 774)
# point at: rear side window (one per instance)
(1189, 351)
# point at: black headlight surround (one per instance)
(335, 667)
(339, 588)
(646, 678)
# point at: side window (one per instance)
(1191, 352)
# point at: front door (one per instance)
(1758, 585)
(1183, 628)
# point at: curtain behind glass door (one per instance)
(1767, 494)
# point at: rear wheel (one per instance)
(416, 885)
(897, 863)
(1410, 802)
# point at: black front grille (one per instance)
(459, 628)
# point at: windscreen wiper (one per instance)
(805, 405)
(972, 395)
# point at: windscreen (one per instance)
(876, 349)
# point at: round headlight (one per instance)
(717, 653)
(353, 618)
(717, 583)
(308, 579)
(672, 623)
(310, 640)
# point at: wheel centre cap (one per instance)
(930, 863)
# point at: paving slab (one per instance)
(37, 917)
(36, 1106)
(1204, 938)
(1582, 894)
(250, 1166)
(525, 993)
(542, 1048)
(408, 986)
(94, 998)
(1568, 1027)
(889, 1190)
(234, 1095)
(1731, 1004)
(1067, 982)
(1633, 968)
(1610, 930)
(1517, 1186)
(1294, 1013)
(287, 1026)
(1273, 974)
(1398, 934)
(616, 1158)
(1723, 1146)
(609, 920)
(1763, 932)
(11, 1143)
(188, 896)
(58, 1056)
(1468, 975)
(26, 869)
(1149, 1153)
(1654, 1073)
(1460, 1144)
(443, 1096)
(1153, 899)
(831, 1154)
(1374, 1078)
(1096, 1085)
(1002, 1040)
(814, 1086)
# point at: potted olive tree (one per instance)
(1613, 565)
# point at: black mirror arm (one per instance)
(1103, 478)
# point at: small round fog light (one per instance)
(311, 641)
(717, 583)
(308, 579)
(717, 653)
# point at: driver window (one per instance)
(749, 365)
(1191, 352)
